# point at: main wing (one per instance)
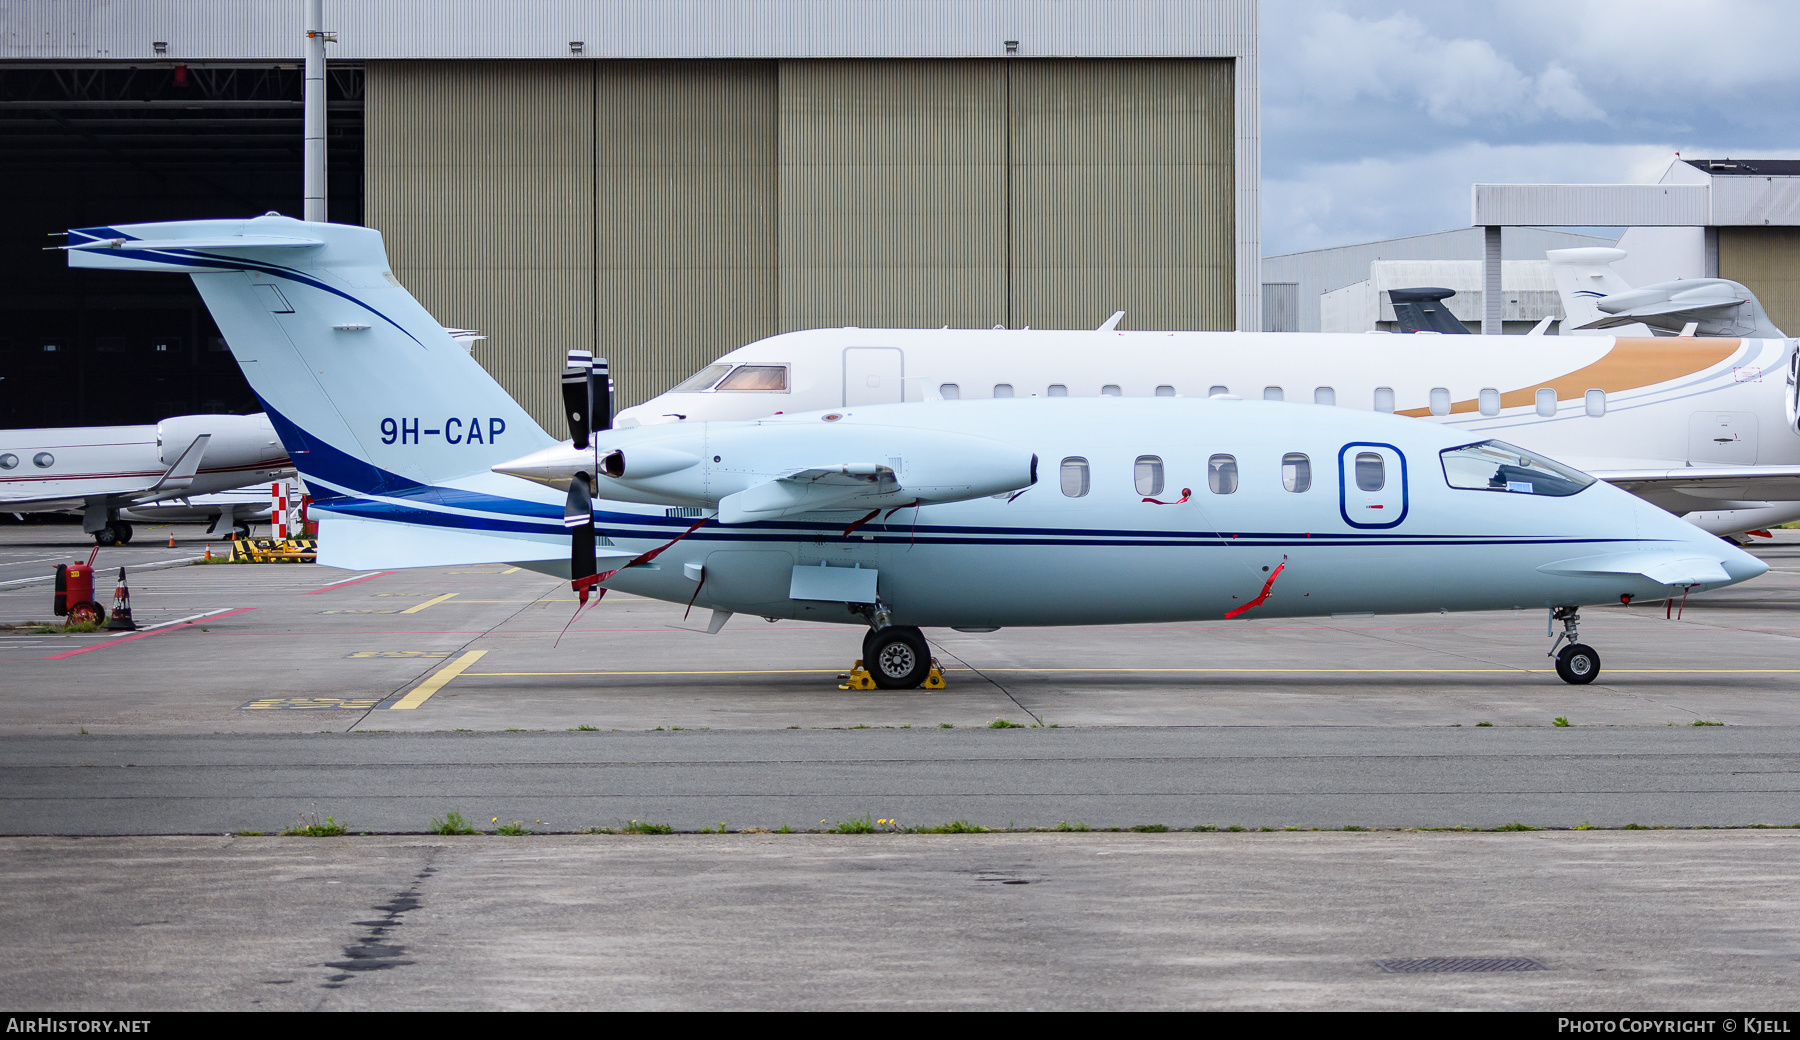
(1723, 483)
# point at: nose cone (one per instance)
(1741, 565)
(554, 466)
(1735, 562)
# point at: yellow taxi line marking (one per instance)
(415, 608)
(422, 692)
(499, 601)
(512, 570)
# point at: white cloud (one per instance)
(1342, 59)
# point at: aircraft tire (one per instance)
(897, 657)
(1578, 663)
(125, 532)
(108, 535)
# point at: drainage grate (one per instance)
(1425, 964)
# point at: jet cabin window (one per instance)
(702, 379)
(1498, 466)
(1371, 471)
(1296, 472)
(1057, 390)
(950, 392)
(1324, 395)
(1165, 391)
(1148, 474)
(1221, 474)
(8, 461)
(1002, 389)
(1075, 477)
(768, 378)
(1490, 401)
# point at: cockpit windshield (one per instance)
(755, 377)
(702, 379)
(1499, 466)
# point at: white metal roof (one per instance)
(198, 30)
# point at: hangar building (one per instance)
(657, 180)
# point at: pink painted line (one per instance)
(346, 584)
(146, 635)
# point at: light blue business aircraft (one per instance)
(968, 514)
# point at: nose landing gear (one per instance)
(1576, 663)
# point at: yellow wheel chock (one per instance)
(858, 678)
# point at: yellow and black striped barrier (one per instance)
(275, 550)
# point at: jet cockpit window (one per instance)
(1498, 466)
(1221, 474)
(702, 379)
(766, 378)
(1148, 473)
(1075, 477)
(8, 461)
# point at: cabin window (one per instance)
(1384, 398)
(1296, 472)
(950, 392)
(1490, 401)
(1075, 477)
(43, 460)
(702, 379)
(1057, 390)
(8, 461)
(1221, 474)
(1110, 390)
(1215, 391)
(1371, 471)
(1440, 401)
(1271, 393)
(1324, 395)
(1596, 402)
(1002, 389)
(1499, 466)
(1165, 391)
(755, 377)
(1546, 402)
(1148, 473)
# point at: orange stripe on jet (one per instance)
(1632, 362)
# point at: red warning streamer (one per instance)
(1185, 493)
(582, 585)
(1267, 585)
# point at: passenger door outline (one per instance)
(886, 366)
(1366, 500)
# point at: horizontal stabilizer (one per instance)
(222, 242)
(1668, 568)
(182, 473)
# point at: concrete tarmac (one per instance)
(1639, 920)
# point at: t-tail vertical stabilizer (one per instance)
(1585, 276)
(393, 425)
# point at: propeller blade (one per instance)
(578, 396)
(600, 395)
(578, 517)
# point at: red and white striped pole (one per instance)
(279, 513)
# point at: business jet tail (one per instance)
(1585, 276)
(380, 408)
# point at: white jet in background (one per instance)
(103, 471)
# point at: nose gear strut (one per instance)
(1576, 663)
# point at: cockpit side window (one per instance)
(701, 380)
(1499, 466)
(767, 378)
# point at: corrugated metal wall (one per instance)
(892, 194)
(663, 213)
(1122, 194)
(1767, 261)
(480, 177)
(685, 216)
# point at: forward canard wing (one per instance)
(809, 490)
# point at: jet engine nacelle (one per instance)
(237, 440)
(772, 469)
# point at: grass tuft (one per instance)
(640, 827)
(514, 829)
(310, 826)
(1515, 827)
(954, 827)
(1559, 721)
(1067, 826)
(1205, 827)
(249, 834)
(1704, 722)
(1484, 724)
(946, 725)
(1636, 827)
(1005, 724)
(784, 829)
(450, 823)
(1149, 828)
(1235, 829)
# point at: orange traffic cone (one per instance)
(121, 611)
(171, 539)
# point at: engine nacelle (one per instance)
(237, 440)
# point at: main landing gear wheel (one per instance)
(897, 657)
(108, 535)
(1578, 663)
(124, 530)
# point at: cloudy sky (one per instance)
(1377, 115)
